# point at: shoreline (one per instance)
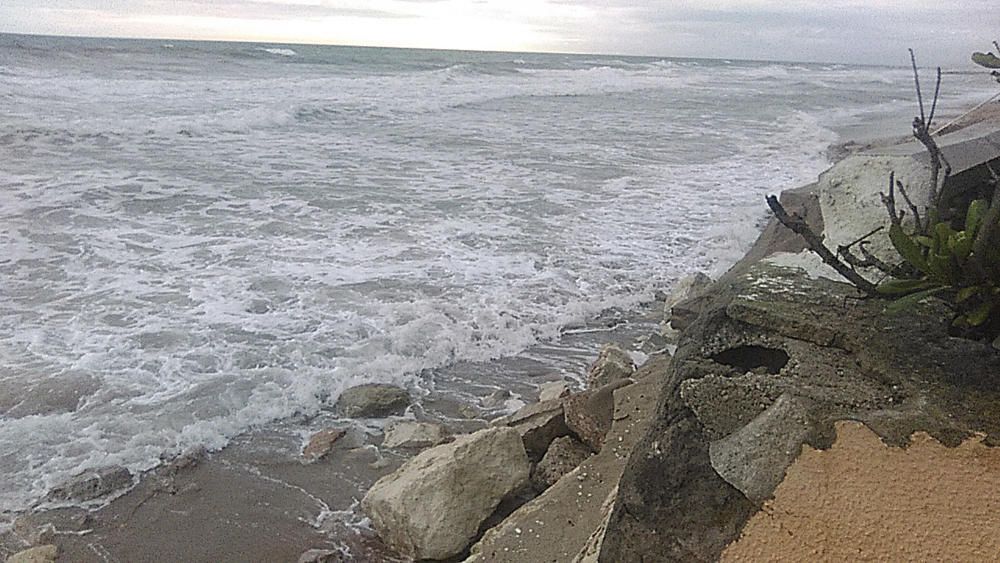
(172, 509)
(308, 505)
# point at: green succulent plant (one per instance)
(960, 266)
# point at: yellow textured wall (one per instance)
(863, 500)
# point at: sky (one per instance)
(942, 32)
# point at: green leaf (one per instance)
(974, 216)
(926, 242)
(943, 231)
(912, 299)
(908, 249)
(942, 269)
(980, 314)
(960, 245)
(902, 287)
(988, 60)
(966, 292)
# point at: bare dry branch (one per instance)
(889, 201)
(815, 244)
(913, 209)
(937, 92)
(916, 80)
(867, 259)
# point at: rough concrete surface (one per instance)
(864, 500)
(898, 374)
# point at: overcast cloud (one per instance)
(871, 31)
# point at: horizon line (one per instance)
(437, 49)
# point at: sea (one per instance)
(201, 239)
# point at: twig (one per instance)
(885, 268)
(889, 201)
(921, 130)
(916, 80)
(863, 239)
(815, 243)
(867, 260)
(913, 209)
(937, 92)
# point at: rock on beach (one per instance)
(432, 506)
(373, 400)
(40, 554)
(92, 484)
(321, 442)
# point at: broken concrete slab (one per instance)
(557, 524)
(754, 458)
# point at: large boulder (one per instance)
(432, 506)
(373, 400)
(591, 551)
(724, 435)
(613, 364)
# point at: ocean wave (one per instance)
(280, 51)
(55, 136)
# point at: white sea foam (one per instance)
(279, 51)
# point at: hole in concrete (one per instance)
(752, 358)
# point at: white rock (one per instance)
(850, 201)
(407, 434)
(432, 506)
